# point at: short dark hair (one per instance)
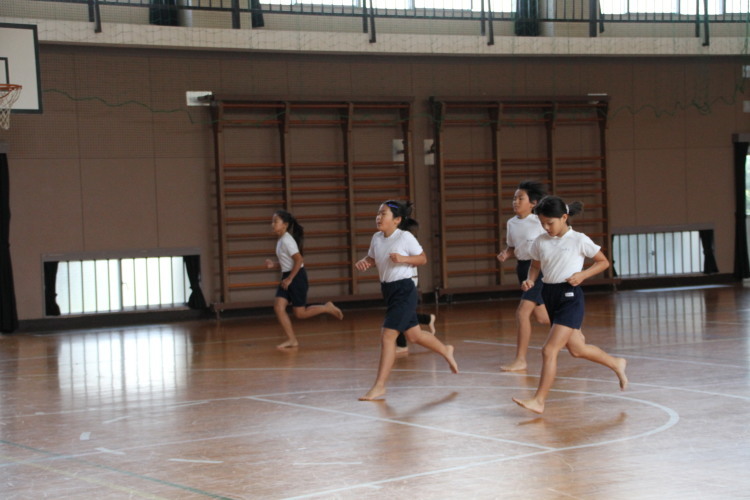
(534, 190)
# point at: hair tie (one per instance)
(567, 209)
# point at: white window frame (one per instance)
(652, 252)
(506, 6)
(681, 7)
(96, 283)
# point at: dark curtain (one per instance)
(527, 18)
(256, 14)
(50, 289)
(164, 13)
(709, 260)
(8, 311)
(193, 268)
(612, 257)
(741, 265)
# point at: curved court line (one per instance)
(152, 409)
(631, 384)
(674, 418)
(633, 356)
(696, 391)
(399, 422)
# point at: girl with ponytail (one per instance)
(559, 253)
(395, 251)
(294, 285)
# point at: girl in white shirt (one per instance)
(394, 250)
(560, 254)
(294, 285)
(522, 230)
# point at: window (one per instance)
(684, 7)
(658, 254)
(101, 285)
(471, 5)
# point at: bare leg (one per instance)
(557, 339)
(279, 307)
(402, 349)
(523, 321)
(416, 335)
(315, 310)
(580, 349)
(540, 315)
(387, 358)
(427, 319)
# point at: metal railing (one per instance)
(524, 17)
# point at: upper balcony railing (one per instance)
(513, 17)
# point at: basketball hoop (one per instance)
(9, 94)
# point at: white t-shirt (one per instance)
(521, 234)
(560, 258)
(400, 242)
(286, 247)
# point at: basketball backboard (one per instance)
(19, 64)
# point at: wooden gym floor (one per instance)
(212, 410)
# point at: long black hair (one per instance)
(293, 227)
(555, 207)
(402, 209)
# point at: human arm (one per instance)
(600, 264)
(364, 264)
(506, 254)
(533, 275)
(298, 261)
(270, 264)
(413, 260)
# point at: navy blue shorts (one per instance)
(296, 293)
(401, 301)
(535, 294)
(565, 304)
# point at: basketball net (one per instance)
(9, 94)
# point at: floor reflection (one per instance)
(123, 363)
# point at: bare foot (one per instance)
(402, 351)
(620, 371)
(431, 325)
(450, 359)
(373, 394)
(334, 311)
(530, 404)
(288, 343)
(517, 365)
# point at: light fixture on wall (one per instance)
(397, 150)
(198, 97)
(429, 152)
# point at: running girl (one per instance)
(293, 287)
(560, 255)
(522, 230)
(394, 250)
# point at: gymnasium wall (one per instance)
(118, 162)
